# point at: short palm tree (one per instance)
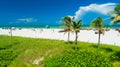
(67, 24)
(76, 28)
(98, 24)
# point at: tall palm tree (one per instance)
(67, 23)
(98, 24)
(76, 28)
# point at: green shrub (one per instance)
(79, 59)
(6, 56)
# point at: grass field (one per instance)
(30, 52)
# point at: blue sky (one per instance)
(50, 12)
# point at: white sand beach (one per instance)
(111, 37)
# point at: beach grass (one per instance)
(35, 52)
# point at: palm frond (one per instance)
(112, 12)
(116, 19)
(67, 19)
(97, 23)
(79, 23)
(76, 25)
(117, 8)
(93, 23)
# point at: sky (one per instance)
(50, 12)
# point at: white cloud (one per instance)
(27, 20)
(99, 8)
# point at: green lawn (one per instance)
(25, 52)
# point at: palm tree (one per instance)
(98, 24)
(117, 9)
(67, 23)
(76, 28)
(116, 18)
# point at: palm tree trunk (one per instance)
(68, 37)
(99, 39)
(11, 32)
(76, 40)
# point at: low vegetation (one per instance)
(81, 58)
(30, 52)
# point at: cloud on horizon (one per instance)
(27, 20)
(99, 8)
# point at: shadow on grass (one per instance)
(94, 46)
(103, 48)
(76, 47)
(116, 56)
(107, 49)
(10, 45)
(70, 42)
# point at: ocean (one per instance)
(56, 26)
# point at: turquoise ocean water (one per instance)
(55, 26)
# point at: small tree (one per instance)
(76, 28)
(67, 24)
(98, 24)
